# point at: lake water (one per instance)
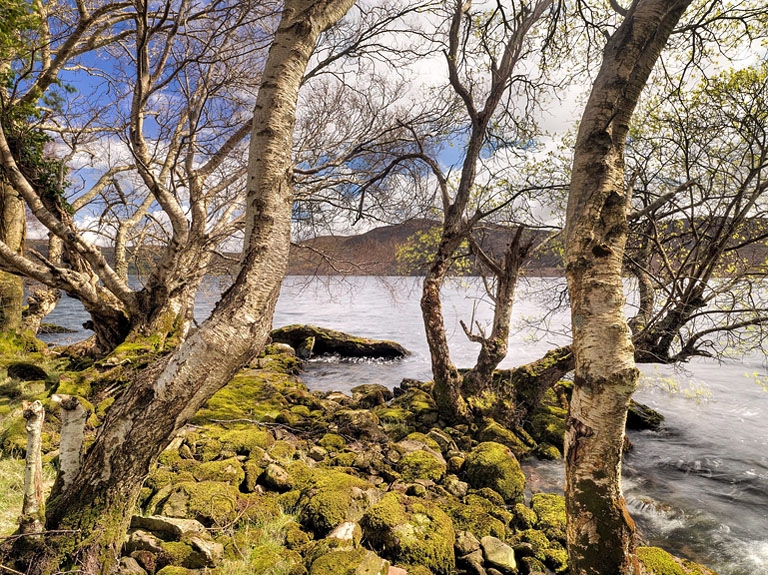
(699, 488)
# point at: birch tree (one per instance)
(600, 532)
(97, 505)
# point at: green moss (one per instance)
(493, 506)
(209, 502)
(346, 459)
(329, 499)
(550, 509)
(252, 473)
(537, 540)
(245, 440)
(332, 442)
(13, 440)
(547, 423)
(421, 465)
(493, 465)
(658, 562)
(174, 570)
(411, 531)
(282, 450)
(226, 471)
(349, 562)
(252, 394)
(493, 431)
(295, 538)
(475, 519)
(524, 517)
(548, 452)
(179, 553)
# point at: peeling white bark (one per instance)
(73, 417)
(33, 506)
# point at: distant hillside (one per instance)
(375, 252)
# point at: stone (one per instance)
(396, 571)
(550, 510)
(348, 533)
(642, 417)
(410, 530)
(139, 540)
(317, 453)
(493, 465)
(211, 551)
(421, 464)
(349, 562)
(277, 478)
(370, 395)
(473, 563)
(455, 486)
(498, 554)
(327, 341)
(466, 543)
(169, 527)
(129, 566)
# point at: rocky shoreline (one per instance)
(270, 478)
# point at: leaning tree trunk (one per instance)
(600, 532)
(12, 231)
(447, 386)
(99, 503)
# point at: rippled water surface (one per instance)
(699, 488)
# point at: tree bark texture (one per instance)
(600, 532)
(13, 232)
(165, 395)
(33, 506)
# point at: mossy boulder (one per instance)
(547, 424)
(331, 497)
(550, 510)
(640, 417)
(656, 561)
(475, 519)
(493, 465)
(411, 531)
(224, 471)
(245, 439)
(332, 442)
(268, 558)
(418, 407)
(519, 443)
(349, 562)
(210, 502)
(421, 464)
(252, 394)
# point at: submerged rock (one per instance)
(327, 341)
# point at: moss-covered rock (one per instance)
(349, 562)
(524, 517)
(421, 465)
(330, 498)
(332, 442)
(547, 424)
(210, 502)
(475, 519)
(550, 510)
(411, 531)
(493, 465)
(519, 443)
(244, 440)
(224, 471)
(418, 408)
(656, 561)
